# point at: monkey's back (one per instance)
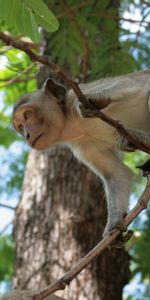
(129, 95)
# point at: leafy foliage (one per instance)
(7, 254)
(133, 160)
(141, 258)
(25, 16)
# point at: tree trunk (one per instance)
(60, 217)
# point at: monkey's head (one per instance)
(39, 117)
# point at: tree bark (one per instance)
(60, 217)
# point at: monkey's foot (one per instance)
(124, 145)
(109, 229)
(122, 239)
(100, 101)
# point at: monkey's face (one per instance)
(39, 119)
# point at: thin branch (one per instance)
(5, 228)
(11, 80)
(14, 80)
(76, 8)
(105, 15)
(7, 206)
(65, 280)
(8, 40)
(115, 17)
(141, 23)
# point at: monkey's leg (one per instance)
(117, 191)
(117, 180)
(124, 145)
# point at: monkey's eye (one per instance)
(27, 114)
(20, 128)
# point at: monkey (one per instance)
(44, 122)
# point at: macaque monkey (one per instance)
(44, 122)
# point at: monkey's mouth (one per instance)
(37, 138)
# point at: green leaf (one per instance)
(34, 34)
(9, 11)
(7, 254)
(27, 24)
(44, 16)
(43, 22)
(4, 11)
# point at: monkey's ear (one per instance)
(56, 89)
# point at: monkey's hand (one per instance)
(142, 136)
(93, 101)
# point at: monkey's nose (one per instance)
(27, 136)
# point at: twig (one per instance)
(11, 80)
(99, 14)
(5, 228)
(7, 206)
(115, 17)
(141, 23)
(75, 8)
(14, 80)
(8, 40)
(65, 280)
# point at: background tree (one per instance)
(61, 213)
